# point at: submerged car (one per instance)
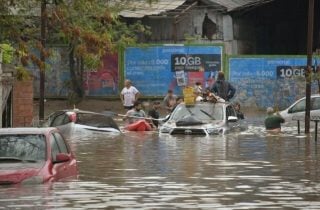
(203, 118)
(298, 108)
(77, 121)
(34, 155)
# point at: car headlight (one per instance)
(33, 180)
(165, 129)
(213, 131)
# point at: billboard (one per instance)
(155, 69)
(268, 81)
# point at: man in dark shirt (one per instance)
(223, 88)
(154, 113)
(273, 121)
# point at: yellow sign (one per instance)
(188, 95)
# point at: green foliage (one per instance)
(89, 27)
(22, 73)
(7, 53)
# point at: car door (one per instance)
(297, 111)
(66, 168)
(315, 106)
(231, 112)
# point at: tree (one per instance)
(89, 28)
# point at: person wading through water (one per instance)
(222, 88)
(273, 121)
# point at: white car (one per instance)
(298, 108)
(204, 118)
(79, 122)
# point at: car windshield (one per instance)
(202, 112)
(96, 120)
(28, 147)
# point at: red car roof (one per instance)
(26, 130)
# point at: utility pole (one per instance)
(1, 88)
(309, 64)
(42, 57)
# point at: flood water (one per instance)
(247, 170)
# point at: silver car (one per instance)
(202, 119)
(79, 122)
(297, 109)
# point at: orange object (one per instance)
(140, 125)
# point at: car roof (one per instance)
(207, 104)
(26, 130)
(77, 111)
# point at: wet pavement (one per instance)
(247, 170)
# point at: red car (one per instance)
(34, 155)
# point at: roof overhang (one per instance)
(232, 5)
(174, 8)
(140, 9)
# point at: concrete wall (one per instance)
(22, 104)
(189, 25)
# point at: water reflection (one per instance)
(247, 170)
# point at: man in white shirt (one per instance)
(129, 95)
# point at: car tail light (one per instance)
(72, 117)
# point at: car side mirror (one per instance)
(232, 119)
(290, 111)
(61, 158)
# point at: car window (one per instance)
(203, 112)
(58, 145)
(23, 147)
(299, 107)
(61, 143)
(59, 120)
(96, 120)
(54, 147)
(315, 103)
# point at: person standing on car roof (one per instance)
(223, 88)
(169, 101)
(129, 95)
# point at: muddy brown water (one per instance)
(247, 170)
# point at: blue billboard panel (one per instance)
(153, 69)
(263, 82)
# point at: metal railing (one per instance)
(314, 119)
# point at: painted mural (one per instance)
(57, 74)
(98, 82)
(274, 81)
(103, 81)
(154, 70)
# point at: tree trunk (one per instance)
(76, 76)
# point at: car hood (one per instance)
(94, 128)
(202, 125)
(13, 173)
(189, 121)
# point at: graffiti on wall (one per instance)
(154, 70)
(264, 82)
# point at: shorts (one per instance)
(128, 107)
